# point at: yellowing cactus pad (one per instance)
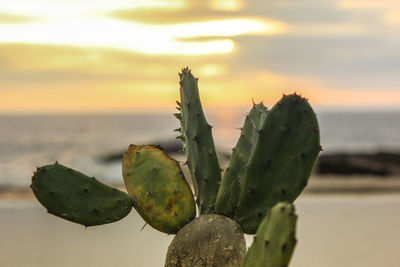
(158, 189)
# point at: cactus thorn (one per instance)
(143, 227)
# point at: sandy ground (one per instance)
(334, 230)
(343, 221)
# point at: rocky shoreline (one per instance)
(379, 164)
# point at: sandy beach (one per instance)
(342, 222)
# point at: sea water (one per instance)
(80, 141)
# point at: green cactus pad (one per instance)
(275, 240)
(158, 189)
(281, 163)
(228, 193)
(198, 144)
(76, 197)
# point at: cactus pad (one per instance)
(228, 193)
(76, 197)
(275, 240)
(281, 162)
(158, 189)
(198, 144)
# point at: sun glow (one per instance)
(71, 9)
(136, 37)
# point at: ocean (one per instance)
(80, 141)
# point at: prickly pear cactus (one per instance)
(275, 239)
(78, 198)
(269, 168)
(281, 162)
(198, 144)
(228, 193)
(158, 189)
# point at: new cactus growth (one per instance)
(158, 189)
(269, 168)
(275, 240)
(76, 197)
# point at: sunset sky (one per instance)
(86, 56)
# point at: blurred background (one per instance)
(81, 80)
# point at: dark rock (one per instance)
(380, 164)
(169, 146)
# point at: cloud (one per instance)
(12, 19)
(334, 52)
